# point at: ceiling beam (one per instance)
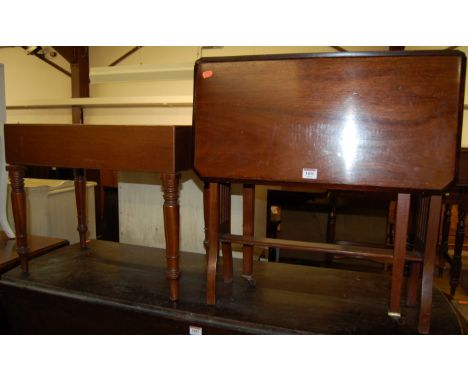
(67, 52)
(47, 61)
(339, 48)
(78, 57)
(129, 53)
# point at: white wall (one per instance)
(28, 78)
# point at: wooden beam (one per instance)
(67, 52)
(129, 53)
(396, 48)
(53, 64)
(339, 48)
(153, 101)
(78, 56)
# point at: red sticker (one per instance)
(207, 74)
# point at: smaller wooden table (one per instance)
(38, 245)
(163, 149)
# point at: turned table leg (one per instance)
(170, 187)
(428, 265)
(399, 254)
(18, 201)
(80, 196)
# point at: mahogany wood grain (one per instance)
(113, 147)
(387, 120)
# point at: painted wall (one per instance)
(28, 78)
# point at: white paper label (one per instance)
(309, 173)
(195, 330)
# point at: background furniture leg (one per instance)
(428, 265)
(18, 201)
(248, 228)
(80, 196)
(443, 255)
(331, 229)
(213, 243)
(206, 199)
(399, 253)
(456, 264)
(170, 188)
(414, 281)
(419, 244)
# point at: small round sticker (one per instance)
(207, 74)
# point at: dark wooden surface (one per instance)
(38, 245)
(117, 288)
(370, 120)
(165, 149)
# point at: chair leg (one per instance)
(18, 201)
(213, 243)
(399, 253)
(428, 265)
(248, 229)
